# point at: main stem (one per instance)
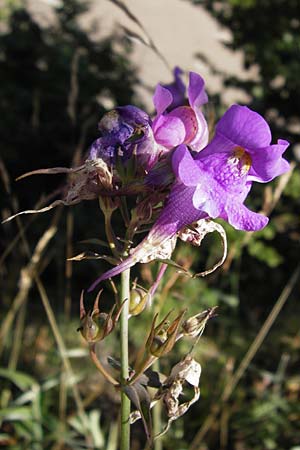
(125, 402)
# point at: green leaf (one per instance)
(77, 424)
(22, 413)
(20, 379)
(94, 424)
(265, 253)
(95, 241)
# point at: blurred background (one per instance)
(63, 63)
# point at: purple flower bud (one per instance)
(126, 131)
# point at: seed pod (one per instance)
(96, 325)
(159, 340)
(163, 336)
(194, 326)
(138, 301)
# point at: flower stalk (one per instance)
(99, 366)
(125, 402)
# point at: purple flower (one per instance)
(175, 125)
(126, 130)
(216, 182)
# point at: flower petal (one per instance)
(177, 89)
(102, 148)
(267, 163)
(241, 218)
(129, 262)
(201, 138)
(178, 212)
(219, 144)
(209, 198)
(244, 127)
(196, 92)
(162, 99)
(169, 131)
(184, 167)
(188, 117)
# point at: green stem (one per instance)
(125, 402)
(156, 415)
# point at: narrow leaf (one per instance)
(93, 255)
(140, 398)
(20, 379)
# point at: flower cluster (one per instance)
(209, 179)
(177, 177)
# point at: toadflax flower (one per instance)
(215, 182)
(125, 131)
(174, 124)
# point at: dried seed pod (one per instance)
(194, 326)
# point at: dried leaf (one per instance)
(187, 370)
(51, 171)
(195, 235)
(159, 252)
(90, 179)
(37, 211)
(182, 409)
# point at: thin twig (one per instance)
(148, 41)
(25, 283)
(74, 86)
